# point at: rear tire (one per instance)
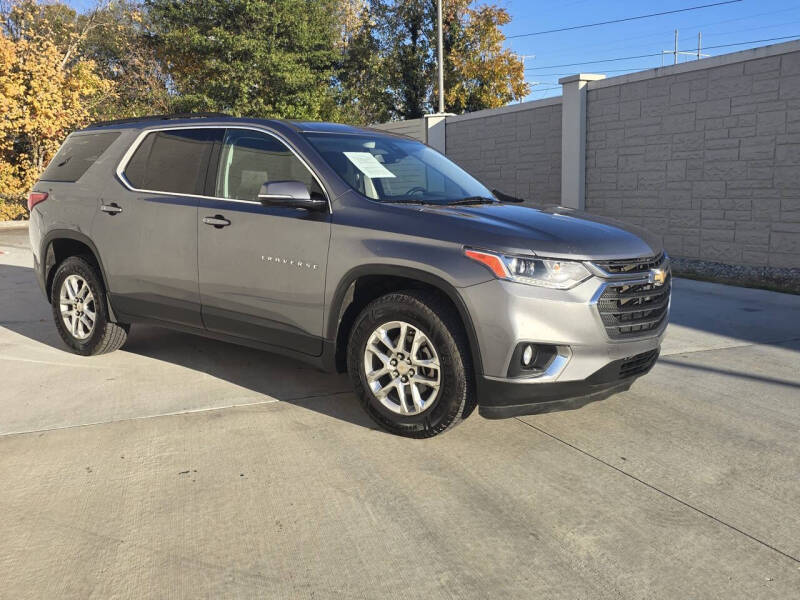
(410, 364)
(80, 311)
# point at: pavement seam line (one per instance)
(662, 492)
(746, 345)
(172, 414)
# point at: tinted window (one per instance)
(249, 159)
(175, 160)
(392, 169)
(77, 154)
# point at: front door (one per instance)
(262, 269)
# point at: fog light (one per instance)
(527, 356)
(530, 359)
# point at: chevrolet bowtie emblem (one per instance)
(657, 276)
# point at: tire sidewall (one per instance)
(79, 266)
(449, 402)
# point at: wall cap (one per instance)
(700, 65)
(504, 110)
(581, 77)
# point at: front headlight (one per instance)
(544, 272)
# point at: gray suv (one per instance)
(352, 249)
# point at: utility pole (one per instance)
(533, 83)
(676, 47)
(699, 44)
(441, 55)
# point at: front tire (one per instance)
(409, 362)
(78, 298)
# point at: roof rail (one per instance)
(198, 115)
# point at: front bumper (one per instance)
(593, 365)
(499, 399)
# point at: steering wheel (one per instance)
(417, 189)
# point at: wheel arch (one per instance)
(363, 284)
(60, 244)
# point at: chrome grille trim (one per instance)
(630, 303)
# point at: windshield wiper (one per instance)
(472, 200)
(404, 201)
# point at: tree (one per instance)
(119, 45)
(361, 76)
(402, 58)
(480, 72)
(267, 58)
(45, 92)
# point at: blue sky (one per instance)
(731, 23)
(741, 21)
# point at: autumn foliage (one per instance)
(44, 94)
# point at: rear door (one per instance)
(146, 229)
(262, 270)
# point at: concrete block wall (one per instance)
(706, 153)
(414, 128)
(515, 149)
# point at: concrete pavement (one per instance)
(189, 468)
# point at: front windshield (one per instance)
(390, 169)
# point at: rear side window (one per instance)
(174, 160)
(77, 154)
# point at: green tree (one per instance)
(397, 54)
(361, 84)
(269, 58)
(118, 43)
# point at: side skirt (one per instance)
(325, 362)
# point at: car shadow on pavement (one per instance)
(264, 373)
(24, 311)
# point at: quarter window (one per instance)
(77, 154)
(251, 158)
(174, 160)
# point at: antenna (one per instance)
(676, 53)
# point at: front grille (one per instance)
(630, 309)
(637, 365)
(630, 267)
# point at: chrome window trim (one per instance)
(123, 163)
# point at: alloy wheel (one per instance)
(78, 308)
(402, 368)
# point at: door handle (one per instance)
(217, 221)
(111, 209)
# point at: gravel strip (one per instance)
(767, 278)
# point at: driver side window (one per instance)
(251, 158)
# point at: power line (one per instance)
(658, 14)
(753, 42)
(702, 27)
(565, 73)
(594, 62)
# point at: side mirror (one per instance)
(289, 194)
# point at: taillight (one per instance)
(34, 198)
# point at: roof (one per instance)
(189, 118)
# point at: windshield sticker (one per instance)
(369, 165)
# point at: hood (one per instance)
(557, 232)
